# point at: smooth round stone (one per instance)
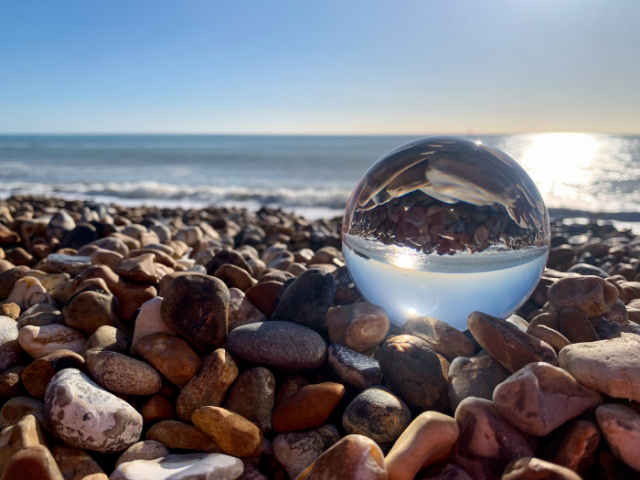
(184, 436)
(149, 321)
(534, 468)
(358, 326)
(107, 338)
(426, 441)
(76, 464)
(213, 466)
(297, 450)
(121, 374)
(283, 345)
(474, 377)
(621, 428)
(253, 397)
(91, 307)
(106, 257)
(209, 387)
(157, 408)
(310, 407)
(549, 336)
(540, 397)
(576, 327)
(307, 300)
(591, 294)
(60, 225)
(40, 314)
(10, 348)
(353, 368)
(234, 434)
(39, 373)
(41, 341)
(377, 414)
(413, 371)
(226, 257)
(11, 310)
(145, 450)
(264, 296)
(171, 356)
(196, 306)
(355, 457)
(235, 277)
(84, 415)
(512, 347)
(608, 366)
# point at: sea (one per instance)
(578, 174)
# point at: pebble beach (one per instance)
(222, 343)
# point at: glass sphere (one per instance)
(444, 226)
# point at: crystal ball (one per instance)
(444, 226)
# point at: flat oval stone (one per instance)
(608, 366)
(194, 466)
(283, 345)
(297, 450)
(252, 396)
(308, 408)
(512, 347)
(121, 374)
(358, 326)
(84, 415)
(41, 341)
(234, 434)
(377, 414)
(197, 306)
(171, 356)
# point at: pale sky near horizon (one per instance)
(325, 67)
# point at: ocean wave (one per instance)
(154, 191)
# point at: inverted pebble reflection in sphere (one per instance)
(444, 226)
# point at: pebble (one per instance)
(196, 306)
(264, 295)
(10, 349)
(474, 377)
(27, 292)
(144, 450)
(576, 327)
(119, 373)
(283, 345)
(171, 356)
(36, 376)
(11, 383)
(307, 300)
(76, 464)
(61, 263)
(359, 326)
(242, 311)
(234, 434)
(25, 433)
(377, 414)
(487, 443)
(107, 338)
(440, 336)
(41, 341)
(550, 337)
(590, 294)
(149, 321)
(310, 407)
(194, 466)
(140, 269)
(40, 314)
(18, 407)
(183, 436)
(540, 397)
(11, 310)
(158, 407)
(574, 446)
(91, 306)
(506, 343)
(290, 385)
(608, 366)
(534, 468)
(252, 396)
(33, 462)
(414, 371)
(84, 415)
(297, 450)
(226, 257)
(355, 457)
(586, 269)
(106, 257)
(426, 441)
(620, 426)
(353, 368)
(209, 387)
(235, 277)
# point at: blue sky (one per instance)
(323, 67)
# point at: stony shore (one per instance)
(218, 344)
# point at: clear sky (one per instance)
(319, 67)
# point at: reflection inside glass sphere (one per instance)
(443, 226)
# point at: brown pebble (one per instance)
(157, 408)
(171, 356)
(308, 408)
(234, 434)
(183, 436)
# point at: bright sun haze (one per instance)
(330, 67)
